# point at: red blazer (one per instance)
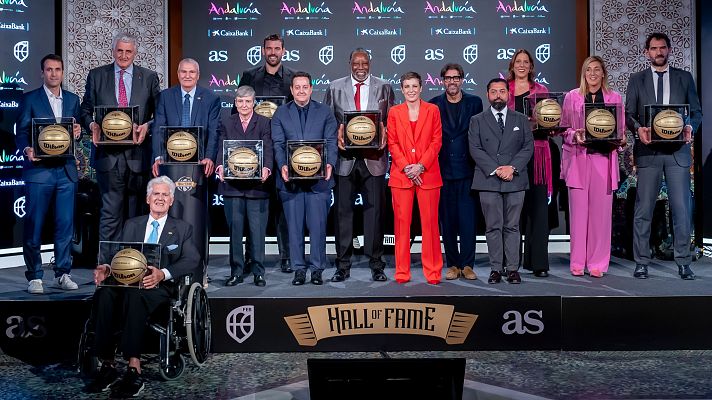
(421, 146)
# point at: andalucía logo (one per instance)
(449, 10)
(19, 3)
(17, 79)
(521, 10)
(309, 10)
(434, 82)
(227, 84)
(236, 12)
(381, 11)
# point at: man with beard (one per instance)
(661, 84)
(501, 143)
(458, 208)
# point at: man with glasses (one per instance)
(458, 207)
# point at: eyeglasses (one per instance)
(456, 78)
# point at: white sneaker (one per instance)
(65, 282)
(35, 287)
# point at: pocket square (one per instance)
(516, 128)
(172, 247)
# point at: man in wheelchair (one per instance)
(127, 310)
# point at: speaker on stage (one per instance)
(386, 378)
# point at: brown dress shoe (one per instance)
(452, 273)
(468, 273)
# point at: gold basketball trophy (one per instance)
(182, 144)
(545, 111)
(306, 159)
(116, 124)
(667, 121)
(267, 105)
(600, 122)
(242, 159)
(128, 262)
(362, 129)
(53, 137)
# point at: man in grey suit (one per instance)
(360, 170)
(501, 144)
(121, 171)
(661, 84)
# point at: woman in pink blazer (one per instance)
(590, 172)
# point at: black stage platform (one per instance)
(616, 312)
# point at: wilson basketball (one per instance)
(361, 130)
(117, 125)
(668, 124)
(306, 161)
(548, 113)
(266, 108)
(181, 146)
(128, 266)
(600, 123)
(54, 140)
(243, 162)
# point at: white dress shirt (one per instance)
(363, 95)
(666, 84)
(55, 102)
(128, 79)
(192, 97)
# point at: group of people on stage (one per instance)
(444, 152)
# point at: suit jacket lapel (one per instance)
(111, 78)
(197, 103)
(349, 90)
(178, 96)
(408, 136)
(422, 116)
(167, 232)
(45, 103)
(136, 85)
(295, 120)
(649, 87)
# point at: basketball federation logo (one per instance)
(543, 52)
(21, 50)
(240, 323)
(470, 53)
(326, 54)
(254, 55)
(398, 54)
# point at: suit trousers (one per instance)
(590, 214)
(458, 217)
(308, 207)
(253, 212)
(124, 310)
(373, 192)
(677, 179)
(502, 212)
(432, 258)
(39, 197)
(534, 224)
(123, 196)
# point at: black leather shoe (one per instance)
(260, 280)
(286, 266)
(299, 277)
(641, 271)
(685, 272)
(495, 277)
(378, 276)
(316, 278)
(513, 277)
(340, 275)
(233, 280)
(541, 274)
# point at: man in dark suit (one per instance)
(501, 143)
(247, 201)
(360, 170)
(458, 206)
(121, 171)
(661, 84)
(272, 79)
(48, 182)
(127, 309)
(305, 119)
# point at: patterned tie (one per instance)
(357, 96)
(123, 100)
(153, 237)
(660, 87)
(500, 121)
(185, 117)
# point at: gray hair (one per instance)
(245, 91)
(158, 181)
(125, 37)
(189, 61)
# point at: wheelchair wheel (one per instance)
(176, 366)
(198, 324)
(87, 363)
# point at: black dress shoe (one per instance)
(641, 271)
(316, 278)
(495, 277)
(685, 272)
(260, 280)
(541, 274)
(513, 277)
(378, 276)
(233, 280)
(286, 266)
(340, 275)
(299, 277)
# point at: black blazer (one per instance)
(454, 158)
(259, 128)
(255, 78)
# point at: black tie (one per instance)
(302, 117)
(660, 87)
(500, 121)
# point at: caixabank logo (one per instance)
(234, 12)
(382, 10)
(321, 32)
(449, 10)
(451, 31)
(13, 26)
(527, 31)
(305, 11)
(234, 33)
(379, 31)
(526, 9)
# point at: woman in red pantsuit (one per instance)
(414, 140)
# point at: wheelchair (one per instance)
(186, 332)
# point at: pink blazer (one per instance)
(573, 159)
(533, 88)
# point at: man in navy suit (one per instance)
(121, 170)
(458, 206)
(305, 119)
(48, 182)
(661, 84)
